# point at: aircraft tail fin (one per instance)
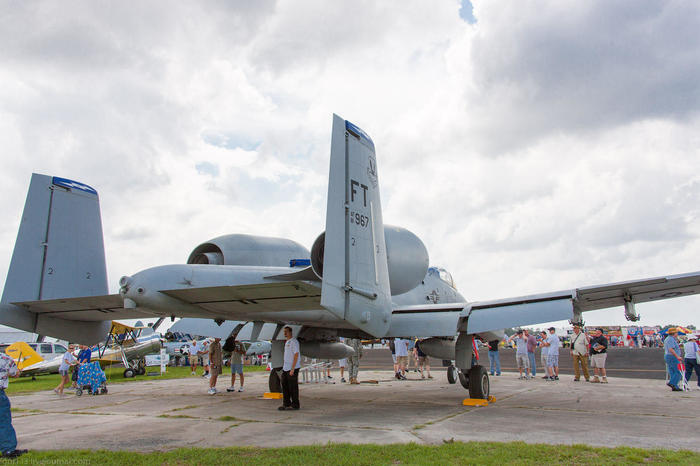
(23, 354)
(355, 272)
(59, 252)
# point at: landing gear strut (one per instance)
(472, 376)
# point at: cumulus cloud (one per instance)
(533, 145)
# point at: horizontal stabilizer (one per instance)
(88, 308)
(246, 298)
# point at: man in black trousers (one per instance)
(290, 372)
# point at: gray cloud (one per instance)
(539, 70)
(545, 146)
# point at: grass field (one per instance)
(114, 375)
(340, 454)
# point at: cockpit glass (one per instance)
(444, 275)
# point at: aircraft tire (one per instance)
(480, 386)
(464, 379)
(128, 373)
(451, 374)
(275, 385)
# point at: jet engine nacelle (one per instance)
(439, 348)
(248, 250)
(444, 348)
(323, 350)
(407, 258)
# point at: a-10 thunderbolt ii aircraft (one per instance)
(365, 279)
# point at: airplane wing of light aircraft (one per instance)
(365, 279)
(127, 345)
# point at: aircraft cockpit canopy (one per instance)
(443, 274)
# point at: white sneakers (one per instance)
(212, 391)
(233, 389)
(240, 389)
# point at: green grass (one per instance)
(340, 454)
(114, 375)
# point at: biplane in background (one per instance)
(123, 345)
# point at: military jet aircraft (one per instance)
(365, 279)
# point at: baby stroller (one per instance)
(92, 378)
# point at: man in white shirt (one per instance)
(194, 356)
(552, 345)
(401, 348)
(692, 358)
(290, 372)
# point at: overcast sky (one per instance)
(533, 145)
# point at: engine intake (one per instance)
(407, 258)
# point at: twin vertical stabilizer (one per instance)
(59, 253)
(355, 272)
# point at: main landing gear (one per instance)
(476, 380)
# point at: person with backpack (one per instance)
(236, 350)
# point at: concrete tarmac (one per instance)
(160, 415)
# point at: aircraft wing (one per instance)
(89, 308)
(549, 307)
(227, 300)
(641, 291)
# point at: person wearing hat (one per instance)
(553, 344)
(672, 355)
(521, 357)
(692, 359)
(579, 353)
(194, 357)
(216, 364)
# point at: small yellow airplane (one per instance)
(124, 344)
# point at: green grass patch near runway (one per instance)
(114, 375)
(340, 454)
